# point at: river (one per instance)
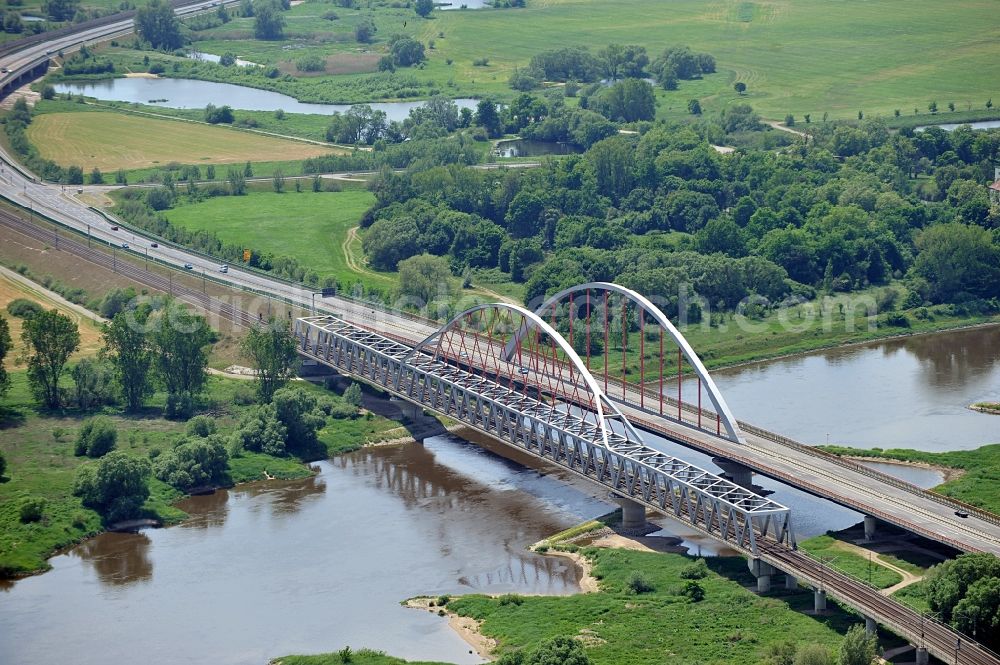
(314, 565)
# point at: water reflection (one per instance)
(904, 393)
(119, 559)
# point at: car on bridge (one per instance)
(124, 245)
(224, 268)
(188, 266)
(114, 228)
(154, 245)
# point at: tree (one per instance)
(261, 431)
(92, 384)
(932, 107)
(858, 647)
(488, 118)
(126, 346)
(237, 182)
(96, 177)
(389, 241)
(179, 341)
(353, 394)
(273, 351)
(956, 258)
(740, 87)
(406, 51)
(50, 338)
(115, 486)
(278, 181)
(219, 114)
(559, 651)
(422, 278)
(423, 7)
(364, 32)
(157, 24)
(694, 107)
(268, 21)
(629, 101)
(193, 463)
(5, 346)
(60, 10)
(96, 438)
(297, 411)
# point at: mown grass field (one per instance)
(313, 227)
(831, 550)
(111, 141)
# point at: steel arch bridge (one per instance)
(505, 371)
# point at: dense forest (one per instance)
(852, 207)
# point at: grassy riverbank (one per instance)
(977, 485)
(38, 447)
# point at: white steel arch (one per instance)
(714, 394)
(606, 409)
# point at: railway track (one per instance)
(139, 275)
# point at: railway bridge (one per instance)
(576, 382)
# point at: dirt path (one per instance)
(353, 262)
(908, 577)
(780, 127)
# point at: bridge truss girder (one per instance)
(551, 432)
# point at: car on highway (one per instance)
(188, 266)
(223, 268)
(154, 244)
(4, 70)
(962, 513)
(114, 228)
(124, 245)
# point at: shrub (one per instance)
(694, 591)
(639, 583)
(443, 600)
(193, 463)
(897, 320)
(97, 437)
(201, 426)
(310, 63)
(510, 599)
(32, 509)
(23, 308)
(695, 571)
(115, 486)
(345, 655)
(3, 464)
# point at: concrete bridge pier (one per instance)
(790, 582)
(921, 656)
(411, 412)
(735, 472)
(763, 572)
(819, 600)
(633, 512)
(870, 626)
(870, 523)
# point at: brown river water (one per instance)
(308, 566)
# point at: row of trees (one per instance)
(616, 61)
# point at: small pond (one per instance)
(525, 148)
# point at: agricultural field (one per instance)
(111, 141)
